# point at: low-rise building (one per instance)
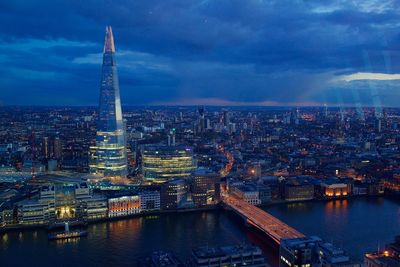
(35, 211)
(331, 256)
(298, 251)
(388, 257)
(298, 189)
(56, 204)
(264, 193)
(7, 214)
(227, 256)
(334, 189)
(123, 206)
(312, 251)
(94, 207)
(247, 192)
(161, 259)
(149, 201)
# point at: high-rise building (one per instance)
(46, 147)
(163, 163)
(57, 148)
(226, 118)
(171, 138)
(201, 123)
(109, 158)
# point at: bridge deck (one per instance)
(264, 221)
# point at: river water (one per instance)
(357, 225)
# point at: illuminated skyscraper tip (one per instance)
(109, 41)
(109, 156)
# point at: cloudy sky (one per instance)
(193, 52)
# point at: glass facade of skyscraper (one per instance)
(109, 157)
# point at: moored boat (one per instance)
(67, 234)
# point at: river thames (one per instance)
(357, 225)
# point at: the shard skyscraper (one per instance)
(109, 155)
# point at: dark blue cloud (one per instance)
(190, 51)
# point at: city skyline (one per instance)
(257, 133)
(275, 53)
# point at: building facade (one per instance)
(123, 206)
(173, 194)
(149, 201)
(205, 187)
(247, 192)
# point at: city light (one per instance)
(229, 133)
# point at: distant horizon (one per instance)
(222, 106)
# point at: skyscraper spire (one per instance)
(109, 158)
(109, 41)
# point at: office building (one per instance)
(205, 187)
(58, 150)
(109, 158)
(201, 122)
(149, 200)
(164, 163)
(56, 204)
(298, 189)
(93, 207)
(46, 147)
(173, 194)
(35, 212)
(89, 206)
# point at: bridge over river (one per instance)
(265, 222)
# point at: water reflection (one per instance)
(63, 242)
(298, 206)
(352, 223)
(336, 208)
(4, 239)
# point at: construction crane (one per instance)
(33, 157)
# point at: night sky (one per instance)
(216, 52)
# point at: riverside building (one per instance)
(57, 204)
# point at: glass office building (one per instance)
(164, 163)
(109, 156)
